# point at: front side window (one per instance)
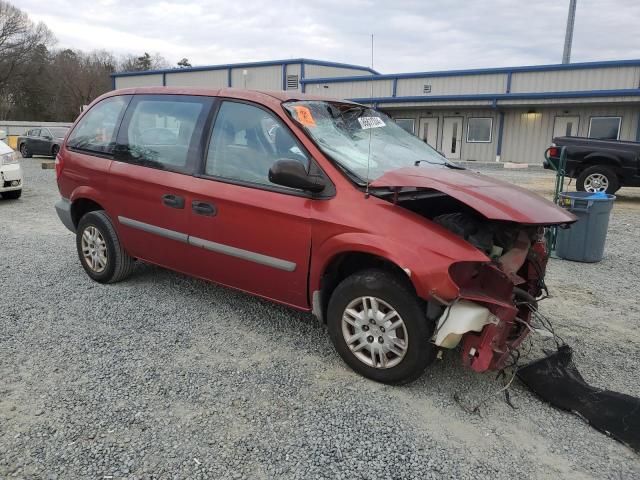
(160, 130)
(604, 128)
(246, 141)
(96, 130)
(35, 132)
(479, 130)
(363, 141)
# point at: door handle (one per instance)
(203, 208)
(173, 201)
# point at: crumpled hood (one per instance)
(495, 199)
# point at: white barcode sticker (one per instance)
(370, 122)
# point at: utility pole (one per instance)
(568, 38)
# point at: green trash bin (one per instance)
(584, 240)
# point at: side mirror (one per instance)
(46, 137)
(291, 173)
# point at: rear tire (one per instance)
(24, 151)
(598, 178)
(376, 294)
(12, 195)
(99, 249)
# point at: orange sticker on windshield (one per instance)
(304, 116)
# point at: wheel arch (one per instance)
(344, 264)
(603, 159)
(81, 206)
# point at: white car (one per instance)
(10, 172)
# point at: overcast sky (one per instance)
(409, 35)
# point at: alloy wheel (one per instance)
(94, 249)
(596, 182)
(374, 332)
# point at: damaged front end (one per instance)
(491, 315)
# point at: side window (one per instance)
(35, 132)
(97, 130)
(161, 129)
(245, 143)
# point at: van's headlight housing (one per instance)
(7, 158)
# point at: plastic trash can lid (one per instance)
(594, 196)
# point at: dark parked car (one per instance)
(42, 141)
(599, 165)
(323, 205)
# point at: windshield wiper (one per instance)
(446, 163)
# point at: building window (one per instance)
(479, 130)
(605, 128)
(407, 124)
(292, 82)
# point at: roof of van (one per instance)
(260, 96)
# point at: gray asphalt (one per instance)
(163, 376)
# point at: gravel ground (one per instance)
(164, 376)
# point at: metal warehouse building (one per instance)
(502, 114)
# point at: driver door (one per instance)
(245, 231)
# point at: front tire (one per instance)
(99, 249)
(598, 178)
(379, 327)
(24, 151)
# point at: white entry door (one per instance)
(452, 137)
(429, 131)
(565, 126)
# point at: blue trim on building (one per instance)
(302, 85)
(164, 79)
(395, 87)
(268, 63)
(491, 97)
(638, 129)
(500, 131)
(229, 81)
(509, 75)
(284, 76)
(483, 71)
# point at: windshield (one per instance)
(364, 141)
(58, 132)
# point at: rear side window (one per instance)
(162, 131)
(96, 131)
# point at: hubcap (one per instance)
(596, 182)
(94, 249)
(374, 332)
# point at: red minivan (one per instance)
(326, 206)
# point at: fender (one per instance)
(427, 269)
(595, 157)
(90, 193)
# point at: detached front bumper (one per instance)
(11, 177)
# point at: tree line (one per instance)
(39, 82)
